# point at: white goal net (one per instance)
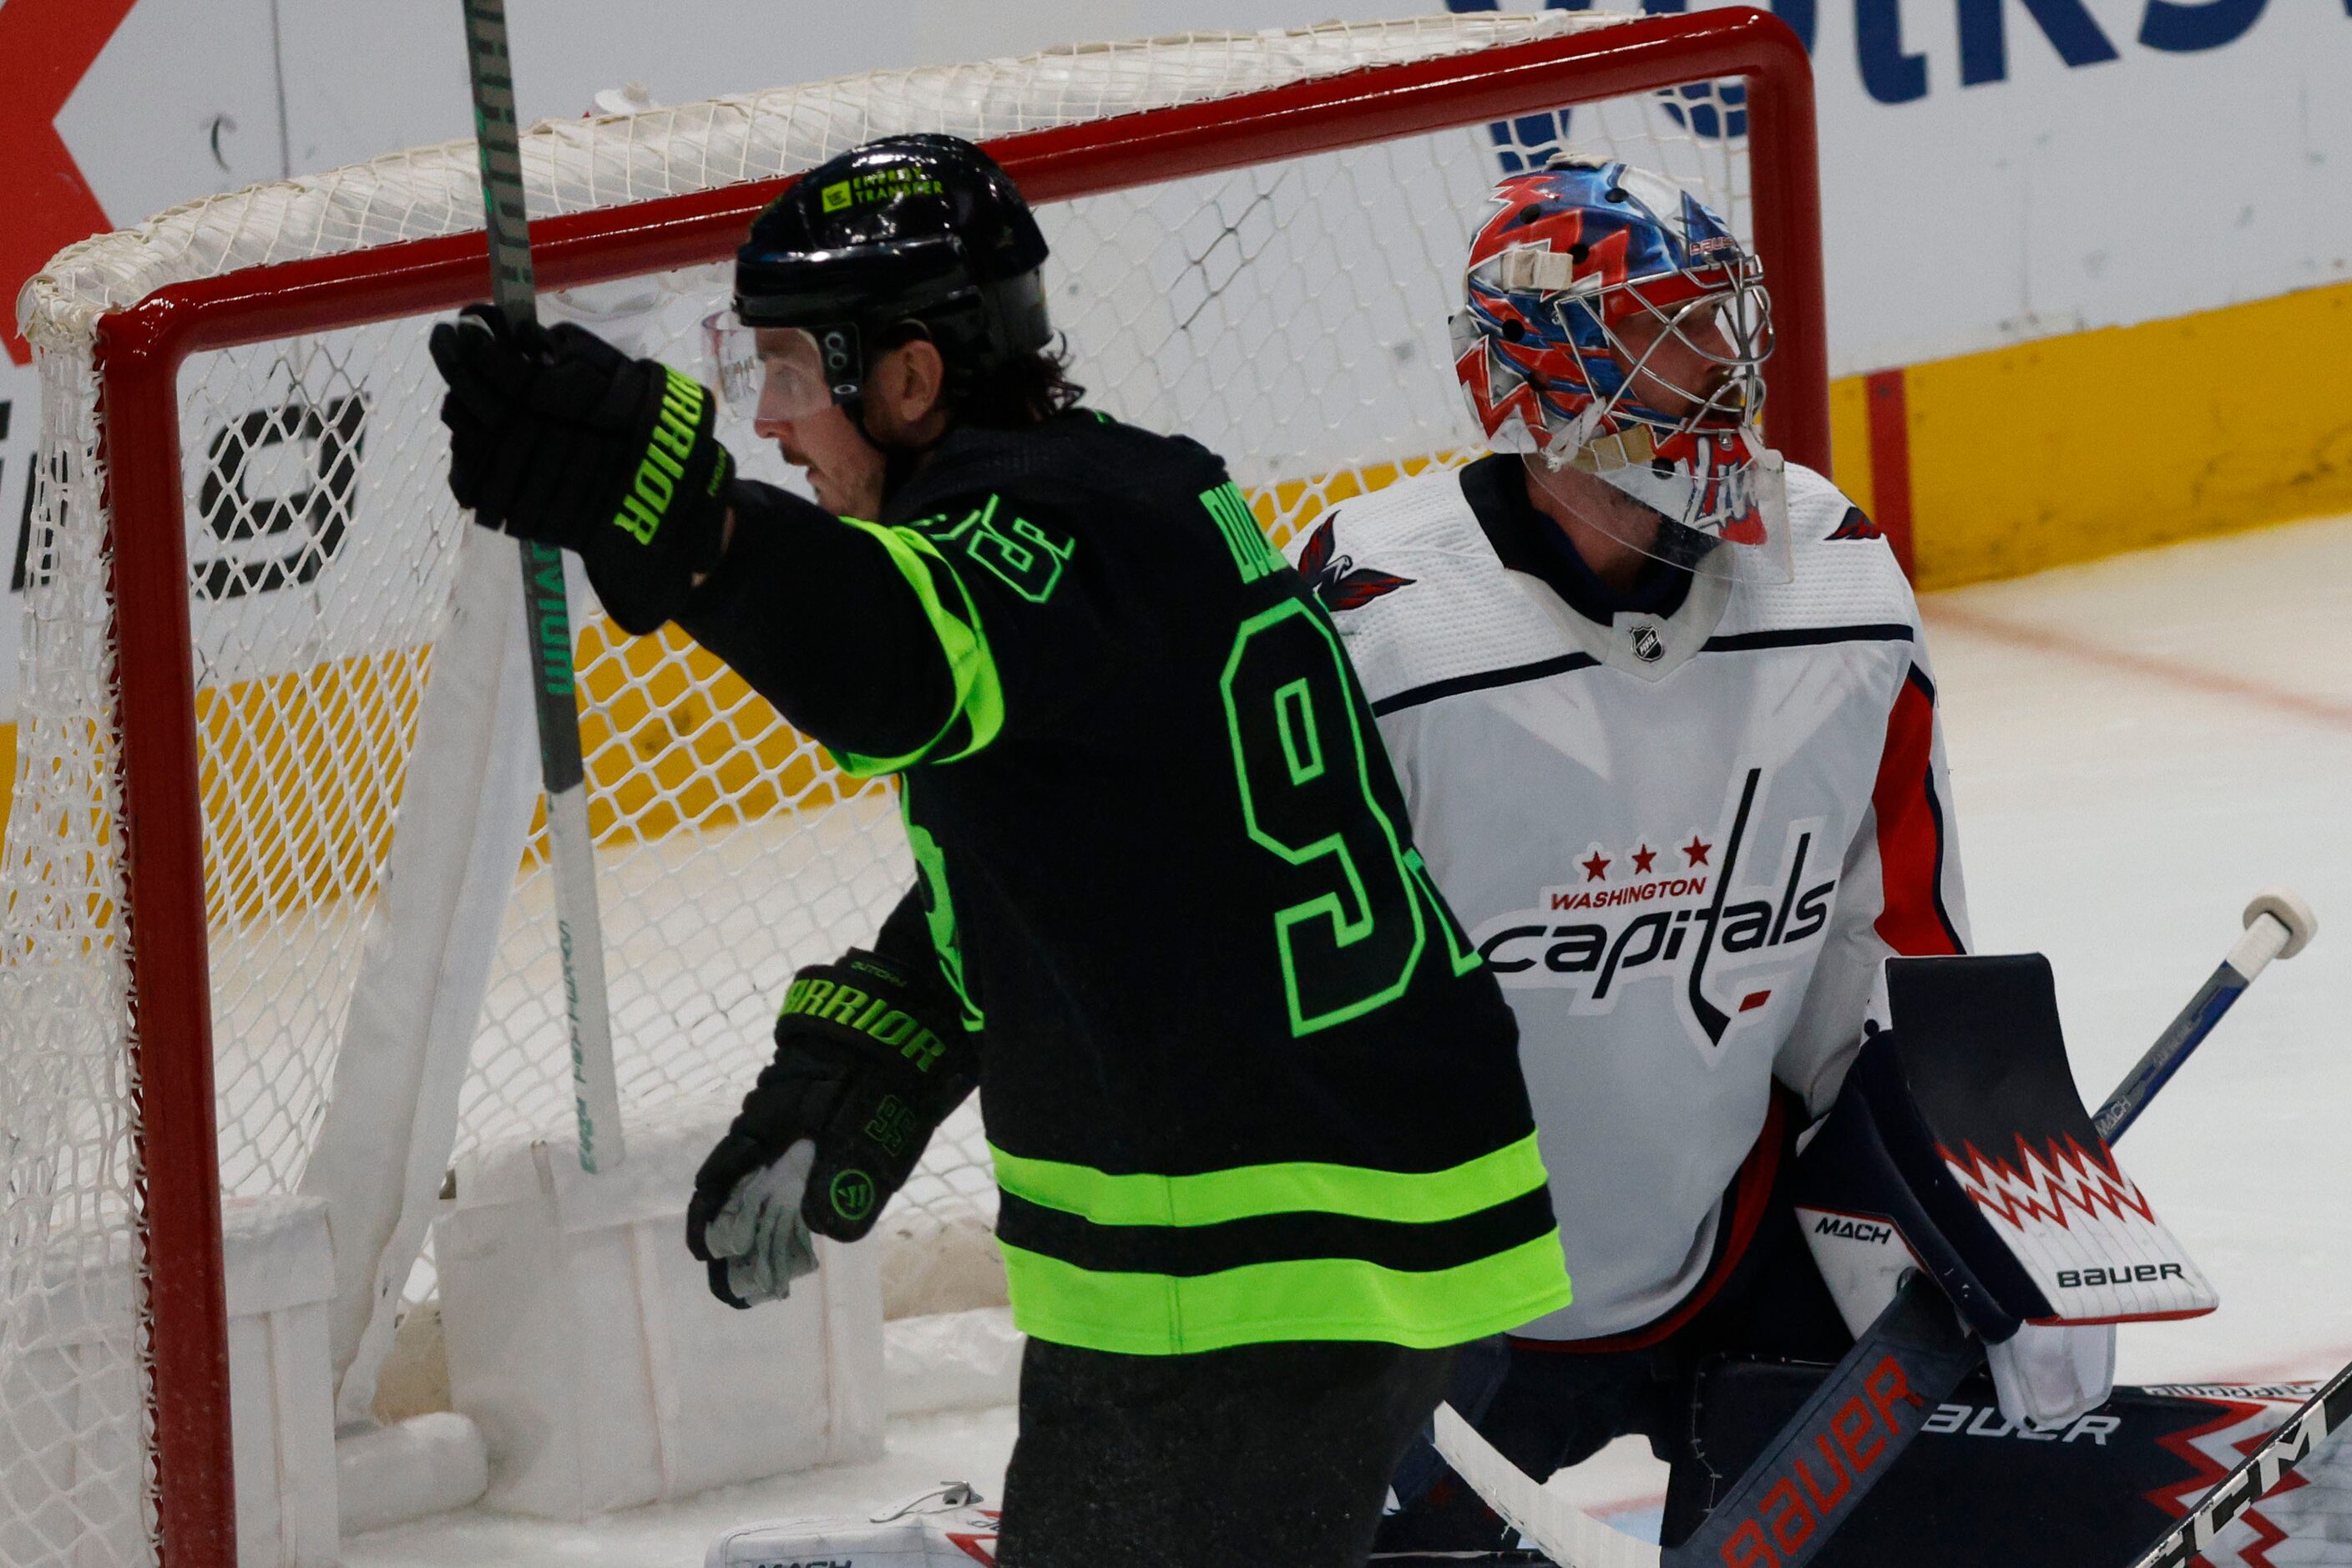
(1290, 314)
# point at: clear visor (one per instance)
(766, 373)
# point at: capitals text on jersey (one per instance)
(1706, 925)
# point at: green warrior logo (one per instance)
(648, 499)
(554, 626)
(870, 1016)
(853, 1196)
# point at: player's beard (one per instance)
(846, 489)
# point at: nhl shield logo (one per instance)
(1648, 647)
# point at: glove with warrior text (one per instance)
(558, 437)
(871, 1057)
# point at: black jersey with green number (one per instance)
(1243, 1077)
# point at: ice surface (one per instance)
(2137, 746)
(924, 1451)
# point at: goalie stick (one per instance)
(2289, 926)
(547, 622)
(2323, 1417)
(1860, 1420)
(1923, 1354)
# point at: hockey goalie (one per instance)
(1665, 716)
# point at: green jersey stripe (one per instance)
(1243, 1192)
(979, 691)
(1195, 1249)
(1311, 1299)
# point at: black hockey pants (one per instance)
(1271, 1455)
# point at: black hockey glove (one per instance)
(556, 435)
(871, 1057)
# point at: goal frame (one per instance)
(139, 351)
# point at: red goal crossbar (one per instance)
(138, 351)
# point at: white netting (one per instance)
(1290, 316)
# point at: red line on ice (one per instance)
(2318, 709)
(2301, 1366)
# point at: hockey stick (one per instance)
(1561, 1531)
(2322, 1416)
(1928, 1355)
(2278, 925)
(579, 931)
(1845, 1435)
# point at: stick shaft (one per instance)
(2323, 1415)
(2261, 943)
(1917, 1346)
(497, 139)
(548, 621)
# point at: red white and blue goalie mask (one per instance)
(1614, 324)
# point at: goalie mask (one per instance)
(1613, 324)
(918, 229)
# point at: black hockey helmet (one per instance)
(918, 227)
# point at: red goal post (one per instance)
(139, 353)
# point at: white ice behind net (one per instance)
(1290, 316)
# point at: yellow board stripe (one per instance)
(2071, 449)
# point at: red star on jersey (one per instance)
(1696, 850)
(1595, 867)
(49, 205)
(1643, 857)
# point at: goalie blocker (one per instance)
(1958, 1146)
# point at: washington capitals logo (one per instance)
(1693, 915)
(1334, 577)
(1856, 525)
(1724, 499)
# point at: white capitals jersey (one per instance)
(1683, 839)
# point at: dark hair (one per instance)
(1024, 391)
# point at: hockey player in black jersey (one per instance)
(1263, 1149)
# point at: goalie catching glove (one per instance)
(558, 437)
(869, 1061)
